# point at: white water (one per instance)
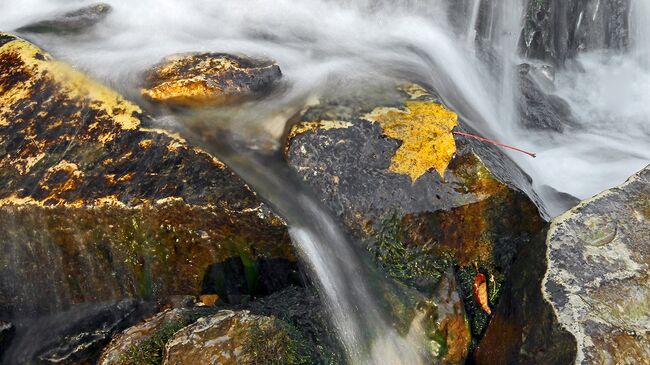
(317, 43)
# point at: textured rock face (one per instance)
(99, 206)
(361, 152)
(72, 22)
(555, 31)
(598, 279)
(76, 336)
(231, 338)
(209, 79)
(125, 344)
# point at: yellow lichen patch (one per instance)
(414, 91)
(76, 85)
(425, 131)
(314, 126)
(191, 92)
(145, 143)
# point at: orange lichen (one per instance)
(424, 128)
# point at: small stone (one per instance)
(200, 79)
(208, 300)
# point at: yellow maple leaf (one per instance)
(424, 128)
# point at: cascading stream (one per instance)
(317, 41)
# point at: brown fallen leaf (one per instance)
(481, 293)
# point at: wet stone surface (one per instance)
(463, 205)
(100, 207)
(598, 279)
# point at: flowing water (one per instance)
(320, 43)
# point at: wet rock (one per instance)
(598, 278)
(76, 336)
(556, 31)
(75, 21)
(99, 206)
(230, 337)
(144, 342)
(384, 160)
(524, 328)
(538, 108)
(7, 331)
(197, 79)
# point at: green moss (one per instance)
(150, 350)
(277, 344)
(416, 266)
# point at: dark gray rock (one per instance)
(416, 224)
(539, 109)
(7, 331)
(76, 336)
(557, 30)
(598, 278)
(75, 21)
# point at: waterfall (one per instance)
(640, 31)
(504, 22)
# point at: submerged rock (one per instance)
(230, 338)
(99, 206)
(75, 21)
(197, 79)
(598, 278)
(76, 336)
(385, 161)
(538, 108)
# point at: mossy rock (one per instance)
(384, 159)
(98, 206)
(230, 338)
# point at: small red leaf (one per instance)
(481, 293)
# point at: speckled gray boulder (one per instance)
(598, 277)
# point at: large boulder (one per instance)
(72, 22)
(197, 79)
(598, 278)
(98, 205)
(422, 200)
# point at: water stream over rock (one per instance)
(590, 63)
